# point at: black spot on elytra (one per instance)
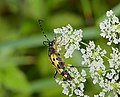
(58, 54)
(58, 66)
(53, 59)
(53, 63)
(59, 59)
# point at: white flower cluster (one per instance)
(115, 59)
(109, 81)
(93, 57)
(110, 28)
(114, 74)
(76, 86)
(106, 77)
(69, 38)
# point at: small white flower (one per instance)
(114, 61)
(109, 75)
(82, 51)
(86, 96)
(81, 85)
(83, 73)
(82, 79)
(109, 43)
(69, 38)
(78, 92)
(116, 96)
(110, 28)
(102, 94)
(102, 26)
(96, 95)
(58, 30)
(65, 91)
(92, 45)
(102, 83)
(58, 81)
(116, 77)
(103, 52)
(115, 19)
(118, 91)
(109, 13)
(95, 80)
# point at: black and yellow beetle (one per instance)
(55, 57)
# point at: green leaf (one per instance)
(85, 4)
(0, 77)
(63, 18)
(90, 33)
(25, 42)
(15, 80)
(1, 92)
(34, 41)
(116, 9)
(35, 8)
(43, 85)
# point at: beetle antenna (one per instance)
(39, 21)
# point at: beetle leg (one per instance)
(55, 73)
(61, 79)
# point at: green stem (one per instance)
(84, 43)
(88, 76)
(118, 36)
(106, 57)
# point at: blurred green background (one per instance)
(25, 70)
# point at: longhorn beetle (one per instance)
(55, 57)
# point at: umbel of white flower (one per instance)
(68, 38)
(104, 75)
(110, 28)
(76, 86)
